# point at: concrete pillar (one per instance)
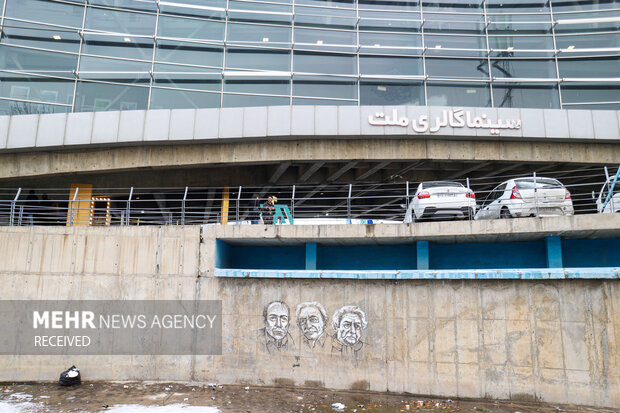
(554, 252)
(423, 257)
(311, 255)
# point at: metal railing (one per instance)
(591, 191)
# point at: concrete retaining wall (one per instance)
(555, 341)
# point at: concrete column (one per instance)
(554, 252)
(423, 257)
(311, 256)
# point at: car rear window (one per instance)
(528, 183)
(427, 185)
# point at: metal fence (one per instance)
(296, 204)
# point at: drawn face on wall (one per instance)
(310, 322)
(276, 320)
(350, 329)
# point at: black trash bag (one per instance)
(70, 377)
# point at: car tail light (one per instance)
(515, 193)
(567, 194)
(471, 195)
(424, 194)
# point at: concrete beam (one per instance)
(29, 164)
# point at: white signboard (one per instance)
(456, 118)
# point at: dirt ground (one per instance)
(102, 396)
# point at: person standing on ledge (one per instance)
(268, 210)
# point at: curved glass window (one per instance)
(40, 36)
(522, 95)
(458, 94)
(116, 21)
(92, 97)
(60, 14)
(197, 29)
(183, 99)
(193, 53)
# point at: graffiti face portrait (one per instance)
(311, 320)
(277, 320)
(348, 323)
(350, 329)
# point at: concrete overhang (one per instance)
(507, 230)
(171, 127)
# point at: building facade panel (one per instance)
(73, 55)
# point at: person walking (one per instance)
(254, 209)
(268, 210)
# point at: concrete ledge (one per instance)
(496, 230)
(525, 274)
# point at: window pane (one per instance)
(457, 68)
(586, 41)
(323, 102)
(113, 46)
(182, 99)
(36, 88)
(391, 93)
(578, 5)
(521, 42)
(97, 97)
(120, 21)
(259, 85)
(517, 6)
(325, 63)
(139, 5)
(189, 53)
(458, 94)
(231, 101)
(516, 95)
(39, 36)
(391, 65)
(588, 68)
(258, 33)
(327, 37)
(12, 107)
(258, 59)
(316, 86)
(197, 81)
(596, 93)
(61, 14)
(15, 58)
(195, 8)
(396, 40)
(460, 7)
(469, 45)
(99, 66)
(191, 28)
(523, 68)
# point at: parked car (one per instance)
(525, 197)
(604, 202)
(441, 200)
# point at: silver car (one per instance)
(525, 197)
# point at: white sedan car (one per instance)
(441, 200)
(525, 197)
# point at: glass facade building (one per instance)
(95, 55)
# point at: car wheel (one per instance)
(505, 213)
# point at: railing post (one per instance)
(293, 203)
(406, 196)
(349, 204)
(128, 209)
(20, 216)
(71, 215)
(536, 195)
(183, 206)
(238, 203)
(12, 213)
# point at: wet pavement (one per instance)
(172, 397)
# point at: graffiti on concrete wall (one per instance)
(311, 319)
(275, 337)
(347, 323)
